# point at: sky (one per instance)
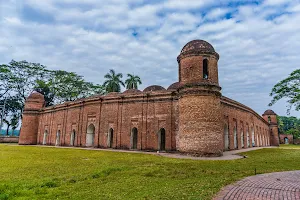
(258, 41)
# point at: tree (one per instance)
(5, 80)
(113, 82)
(44, 88)
(132, 81)
(288, 88)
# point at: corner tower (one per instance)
(200, 128)
(271, 117)
(30, 121)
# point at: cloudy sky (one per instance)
(258, 41)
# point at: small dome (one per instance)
(197, 45)
(132, 91)
(153, 88)
(36, 95)
(269, 112)
(174, 86)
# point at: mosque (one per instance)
(191, 116)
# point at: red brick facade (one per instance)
(286, 139)
(191, 116)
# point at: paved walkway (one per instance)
(228, 155)
(273, 186)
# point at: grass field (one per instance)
(290, 146)
(28, 172)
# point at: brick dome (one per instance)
(36, 96)
(153, 88)
(174, 86)
(130, 91)
(113, 94)
(197, 45)
(269, 112)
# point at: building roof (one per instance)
(153, 88)
(36, 95)
(174, 86)
(269, 112)
(197, 45)
(130, 91)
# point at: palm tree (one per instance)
(113, 82)
(132, 81)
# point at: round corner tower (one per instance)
(271, 117)
(30, 120)
(200, 129)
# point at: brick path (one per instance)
(273, 186)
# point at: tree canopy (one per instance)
(132, 81)
(289, 125)
(288, 88)
(113, 81)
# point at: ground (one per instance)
(29, 172)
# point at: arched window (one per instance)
(57, 142)
(235, 141)
(134, 138)
(205, 69)
(162, 139)
(226, 137)
(269, 119)
(242, 138)
(45, 137)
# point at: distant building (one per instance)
(190, 116)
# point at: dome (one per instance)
(112, 94)
(132, 91)
(174, 86)
(269, 112)
(36, 95)
(197, 45)
(153, 88)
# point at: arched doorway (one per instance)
(110, 138)
(45, 137)
(162, 139)
(248, 138)
(57, 141)
(242, 138)
(235, 138)
(286, 140)
(90, 136)
(73, 136)
(226, 138)
(134, 138)
(253, 137)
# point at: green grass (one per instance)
(290, 146)
(28, 172)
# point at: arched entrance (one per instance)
(72, 140)
(286, 140)
(45, 137)
(162, 139)
(57, 141)
(134, 138)
(242, 138)
(248, 138)
(110, 138)
(90, 136)
(253, 140)
(235, 138)
(226, 138)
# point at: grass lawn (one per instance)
(290, 146)
(28, 172)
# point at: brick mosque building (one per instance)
(190, 116)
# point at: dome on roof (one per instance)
(153, 88)
(197, 45)
(131, 91)
(36, 95)
(112, 94)
(174, 86)
(269, 112)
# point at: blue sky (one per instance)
(258, 41)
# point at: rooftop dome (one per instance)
(174, 86)
(197, 45)
(36, 95)
(112, 94)
(269, 112)
(130, 91)
(153, 88)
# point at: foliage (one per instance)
(113, 82)
(288, 88)
(289, 125)
(132, 81)
(5, 80)
(53, 173)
